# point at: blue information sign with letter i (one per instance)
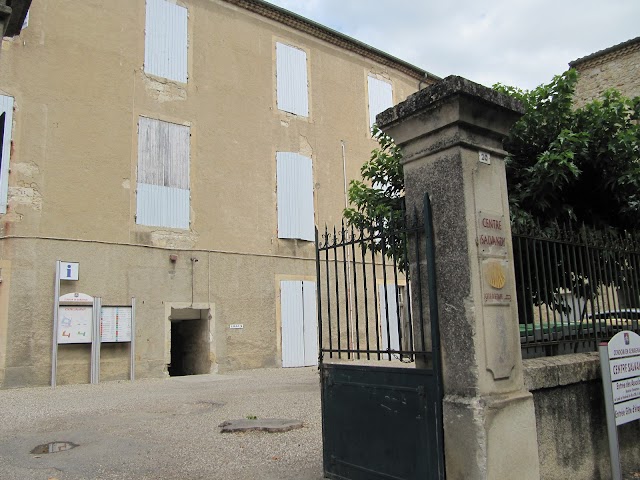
(69, 270)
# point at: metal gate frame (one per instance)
(378, 421)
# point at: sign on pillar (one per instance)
(620, 368)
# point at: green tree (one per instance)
(378, 200)
(379, 196)
(565, 165)
(574, 165)
(579, 167)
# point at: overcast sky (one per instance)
(515, 42)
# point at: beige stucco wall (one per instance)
(619, 69)
(235, 288)
(76, 73)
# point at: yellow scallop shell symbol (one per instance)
(496, 275)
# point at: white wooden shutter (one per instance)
(162, 206)
(299, 323)
(380, 97)
(162, 192)
(295, 196)
(165, 45)
(389, 304)
(291, 80)
(6, 108)
(310, 323)
(292, 318)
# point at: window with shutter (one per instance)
(380, 97)
(6, 122)
(163, 174)
(291, 80)
(165, 40)
(295, 196)
(299, 323)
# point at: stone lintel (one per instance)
(470, 113)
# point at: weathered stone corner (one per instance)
(432, 96)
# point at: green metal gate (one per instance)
(380, 364)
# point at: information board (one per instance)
(624, 367)
(620, 368)
(115, 324)
(74, 324)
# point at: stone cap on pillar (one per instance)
(468, 106)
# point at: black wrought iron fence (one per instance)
(575, 288)
(365, 293)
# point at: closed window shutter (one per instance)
(291, 308)
(299, 323)
(291, 79)
(389, 317)
(295, 196)
(162, 194)
(165, 40)
(6, 111)
(380, 97)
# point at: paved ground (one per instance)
(164, 429)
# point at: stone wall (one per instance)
(617, 67)
(571, 421)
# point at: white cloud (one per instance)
(516, 42)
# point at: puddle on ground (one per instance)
(53, 447)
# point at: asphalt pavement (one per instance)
(164, 428)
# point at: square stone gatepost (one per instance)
(451, 138)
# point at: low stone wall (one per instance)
(571, 421)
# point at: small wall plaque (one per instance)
(236, 326)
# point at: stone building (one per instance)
(181, 152)
(614, 67)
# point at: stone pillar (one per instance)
(451, 136)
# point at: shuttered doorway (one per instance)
(299, 323)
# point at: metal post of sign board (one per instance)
(132, 344)
(612, 429)
(54, 347)
(93, 341)
(97, 313)
(98, 334)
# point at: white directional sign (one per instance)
(620, 368)
(624, 367)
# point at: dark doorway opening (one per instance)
(189, 342)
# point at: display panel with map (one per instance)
(74, 324)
